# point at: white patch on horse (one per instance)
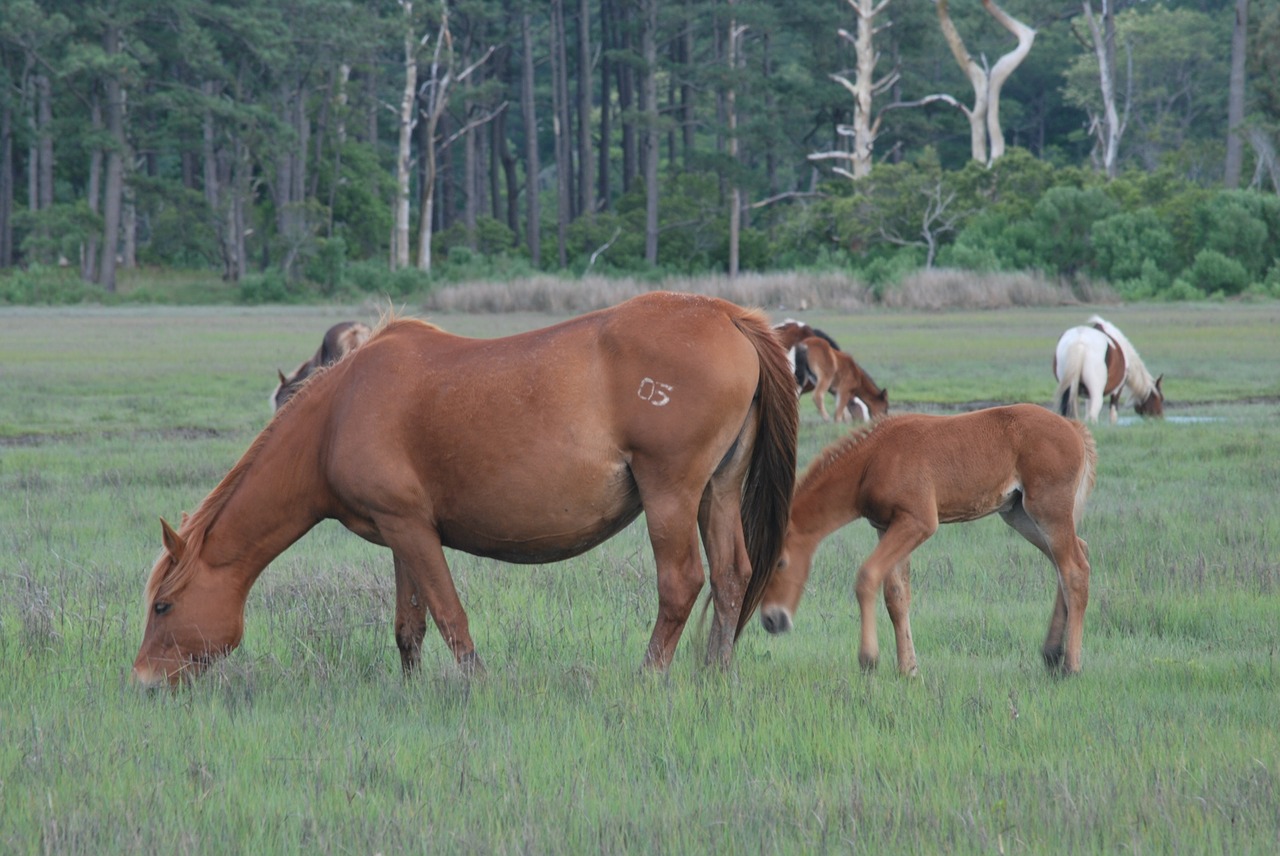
(655, 392)
(862, 405)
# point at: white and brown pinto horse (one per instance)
(604, 416)
(907, 474)
(1098, 360)
(339, 340)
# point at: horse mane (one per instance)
(828, 457)
(1136, 375)
(167, 578)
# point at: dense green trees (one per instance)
(296, 145)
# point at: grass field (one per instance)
(308, 738)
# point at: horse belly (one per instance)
(535, 519)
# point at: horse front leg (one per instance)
(904, 534)
(424, 585)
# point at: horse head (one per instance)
(192, 619)
(1153, 405)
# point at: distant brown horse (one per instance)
(1099, 361)
(339, 340)
(837, 371)
(907, 474)
(791, 333)
(603, 416)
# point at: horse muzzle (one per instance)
(775, 619)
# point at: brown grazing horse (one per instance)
(606, 415)
(1099, 361)
(835, 370)
(339, 340)
(906, 474)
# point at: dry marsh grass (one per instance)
(839, 292)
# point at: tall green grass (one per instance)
(308, 738)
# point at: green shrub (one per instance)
(1213, 272)
(1125, 244)
(47, 285)
(271, 286)
(1233, 223)
(1062, 222)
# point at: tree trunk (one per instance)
(586, 181)
(1235, 96)
(561, 129)
(89, 255)
(731, 116)
(607, 40)
(113, 199)
(6, 186)
(532, 166)
(977, 76)
(44, 143)
(627, 90)
(1109, 128)
(649, 43)
(1000, 73)
(400, 207)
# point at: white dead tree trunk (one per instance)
(1109, 127)
(864, 88)
(985, 135)
(400, 207)
(440, 79)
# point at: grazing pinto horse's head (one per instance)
(1153, 404)
(192, 618)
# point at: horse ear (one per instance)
(173, 542)
(280, 374)
(1158, 382)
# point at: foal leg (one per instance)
(904, 534)
(897, 600)
(1053, 532)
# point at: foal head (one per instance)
(781, 596)
(193, 617)
(1153, 404)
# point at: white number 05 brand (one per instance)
(654, 392)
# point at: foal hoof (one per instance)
(775, 620)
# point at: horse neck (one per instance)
(827, 497)
(274, 499)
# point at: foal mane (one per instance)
(829, 456)
(1136, 375)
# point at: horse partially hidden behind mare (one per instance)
(907, 474)
(820, 366)
(1099, 361)
(834, 370)
(339, 340)
(676, 405)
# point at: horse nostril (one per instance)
(775, 620)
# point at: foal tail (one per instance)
(1088, 472)
(771, 477)
(1068, 394)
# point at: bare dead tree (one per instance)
(985, 134)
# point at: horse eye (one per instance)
(161, 607)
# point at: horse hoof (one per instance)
(775, 620)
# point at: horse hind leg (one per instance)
(897, 601)
(1067, 552)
